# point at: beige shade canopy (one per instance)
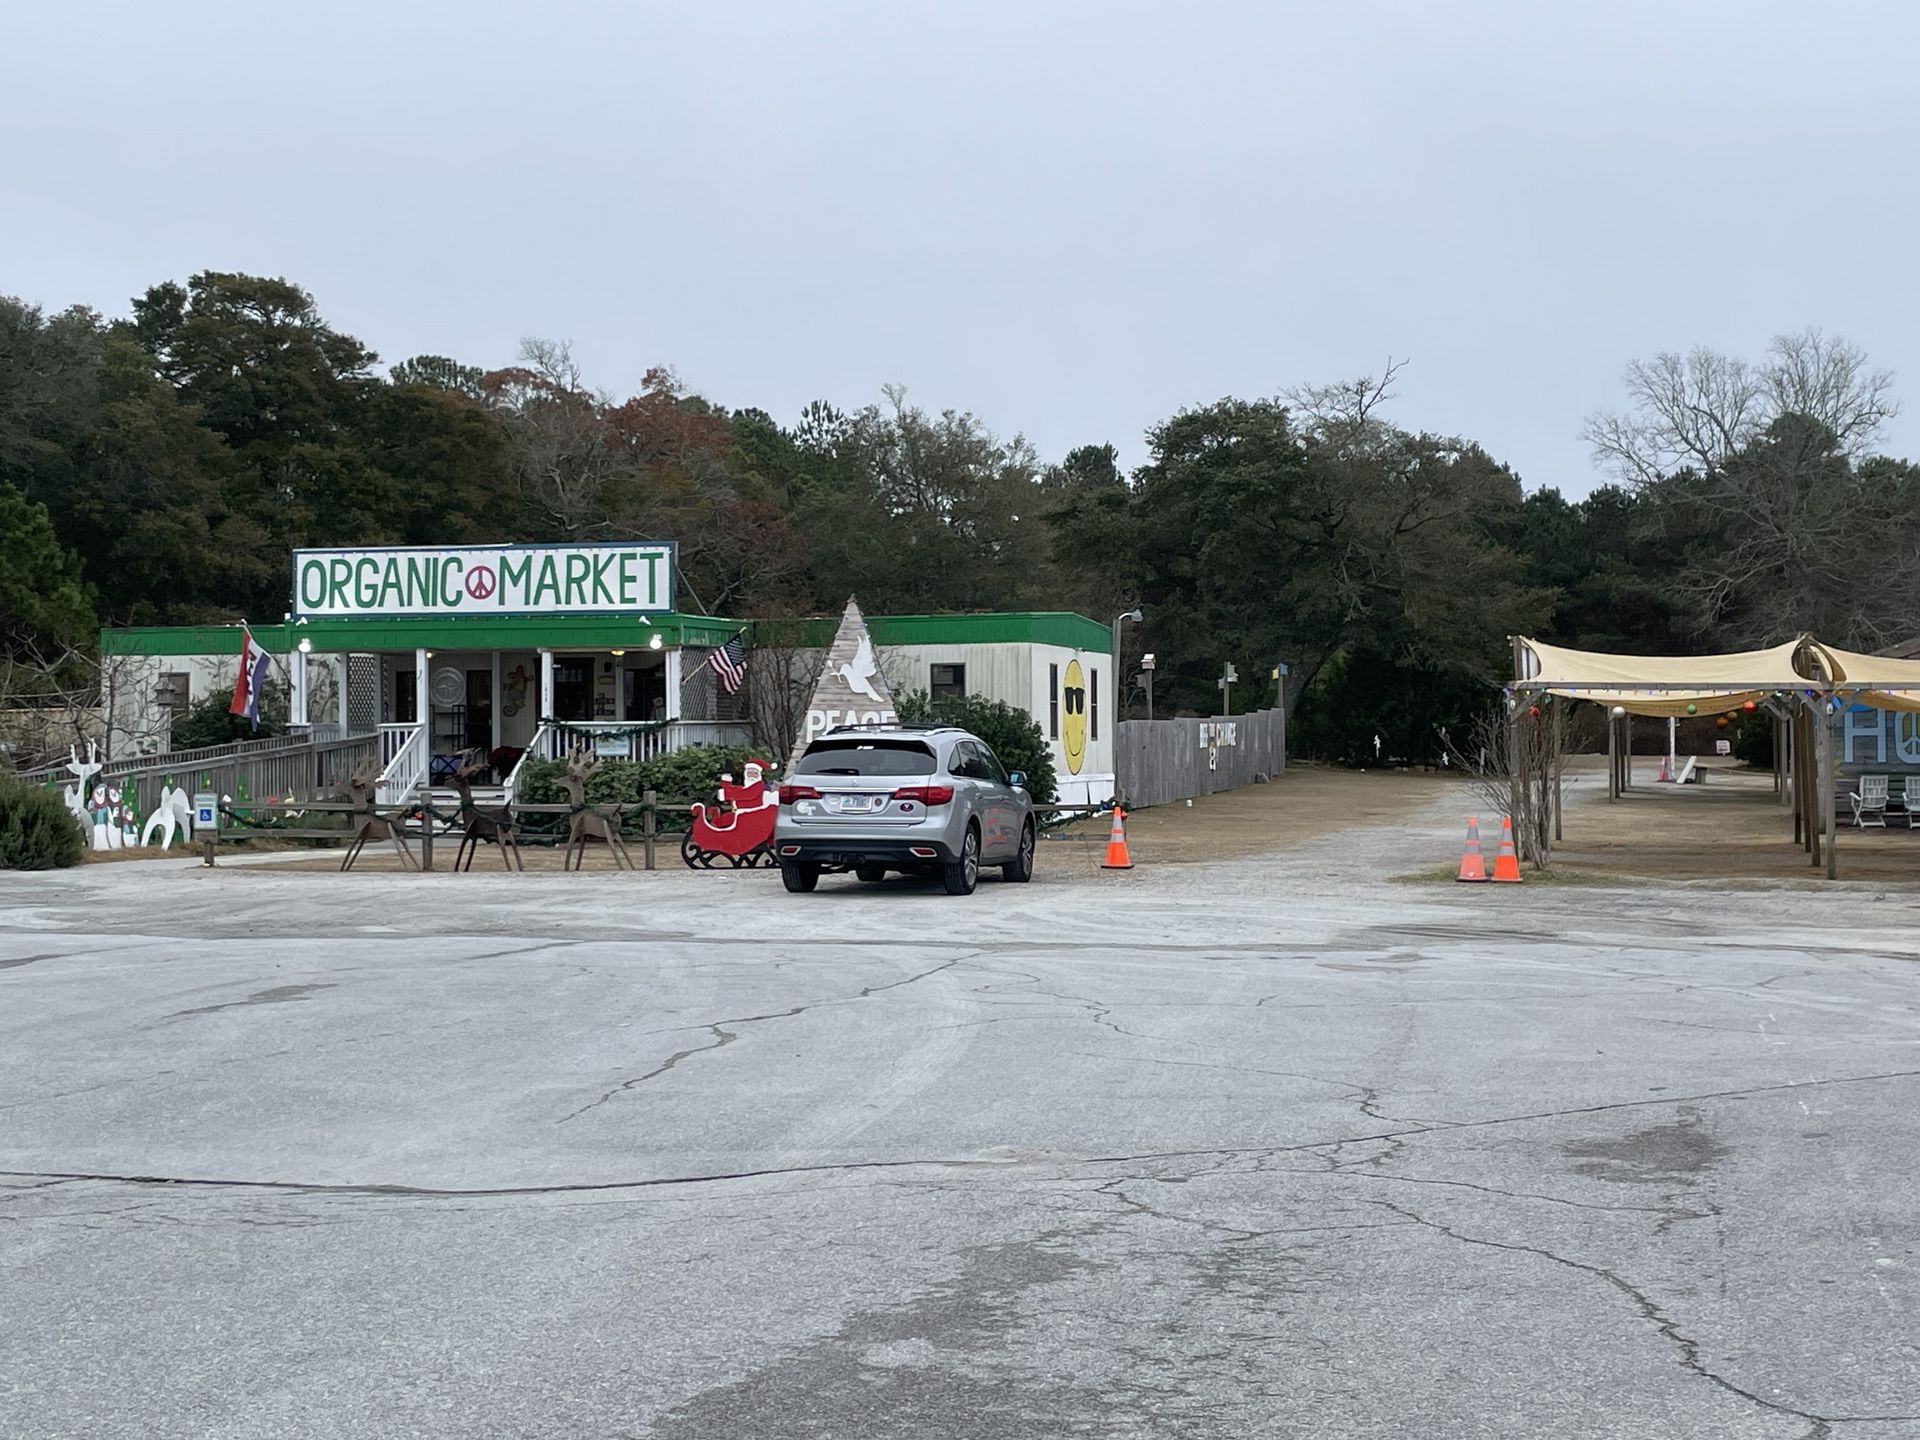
(1876, 680)
(1667, 684)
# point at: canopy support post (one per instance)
(1829, 798)
(1513, 739)
(1559, 769)
(1613, 758)
(1626, 753)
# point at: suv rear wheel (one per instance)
(963, 874)
(1020, 869)
(799, 878)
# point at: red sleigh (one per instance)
(742, 836)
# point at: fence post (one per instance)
(649, 826)
(426, 830)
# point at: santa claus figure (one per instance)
(754, 793)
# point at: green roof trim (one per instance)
(1030, 627)
(333, 635)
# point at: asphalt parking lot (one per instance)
(1278, 1146)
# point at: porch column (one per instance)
(422, 709)
(345, 667)
(546, 686)
(297, 688)
(673, 683)
(495, 723)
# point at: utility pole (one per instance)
(1225, 682)
(1146, 672)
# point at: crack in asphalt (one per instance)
(1066, 1162)
(724, 1037)
(1667, 1214)
(1687, 1346)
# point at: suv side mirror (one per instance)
(1018, 779)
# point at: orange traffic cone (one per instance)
(1117, 857)
(1472, 866)
(1506, 865)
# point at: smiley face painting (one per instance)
(1073, 709)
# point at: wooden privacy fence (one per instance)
(1157, 762)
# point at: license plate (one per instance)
(855, 804)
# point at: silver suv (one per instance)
(912, 798)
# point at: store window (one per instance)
(947, 682)
(175, 692)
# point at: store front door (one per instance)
(572, 687)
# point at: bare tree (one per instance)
(1700, 409)
(1495, 754)
(781, 675)
(566, 456)
(50, 693)
(1341, 414)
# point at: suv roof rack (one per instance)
(916, 726)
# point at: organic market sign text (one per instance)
(484, 580)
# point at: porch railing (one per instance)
(536, 750)
(403, 751)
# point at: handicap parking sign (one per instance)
(206, 811)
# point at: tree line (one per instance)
(158, 467)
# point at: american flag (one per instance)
(730, 664)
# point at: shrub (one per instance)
(207, 722)
(1010, 732)
(37, 831)
(1753, 739)
(685, 775)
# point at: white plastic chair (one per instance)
(1870, 802)
(1909, 797)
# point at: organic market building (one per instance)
(516, 649)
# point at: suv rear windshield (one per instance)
(866, 757)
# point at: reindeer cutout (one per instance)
(586, 824)
(367, 825)
(77, 793)
(494, 825)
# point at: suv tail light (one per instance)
(791, 793)
(926, 794)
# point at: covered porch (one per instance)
(511, 688)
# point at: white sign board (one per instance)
(617, 579)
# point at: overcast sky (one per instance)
(1070, 219)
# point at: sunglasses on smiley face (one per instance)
(1076, 697)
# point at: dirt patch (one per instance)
(378, 855)
(1732, 827)
(1303, 803)
(137, 852)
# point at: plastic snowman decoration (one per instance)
(103, 807)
